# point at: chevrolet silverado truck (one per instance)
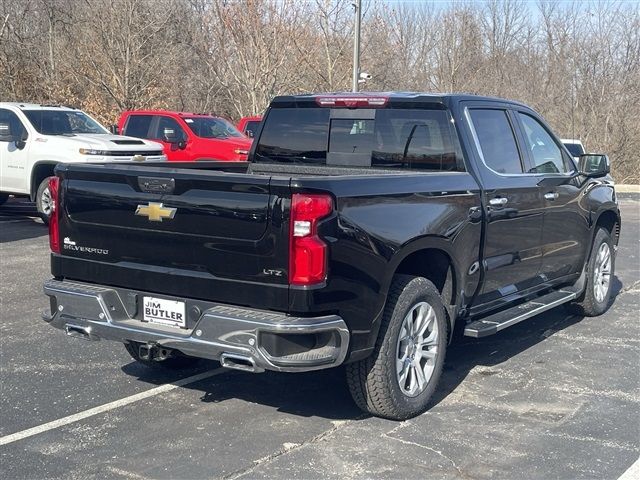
(35, 138)
(364, 231)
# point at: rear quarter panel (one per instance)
(379, 222)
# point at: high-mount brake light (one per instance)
(362, 101)
(54, 230)
(308, 253)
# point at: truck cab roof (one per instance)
(394, 96)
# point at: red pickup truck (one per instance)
(187, 136)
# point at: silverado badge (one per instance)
(155, 211)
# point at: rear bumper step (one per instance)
(501, 320)
(241, 338)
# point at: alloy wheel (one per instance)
(417, 349)
(602, 272)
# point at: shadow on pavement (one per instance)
(19, 221)
(12, 232)
(325, 393)
(466, 353)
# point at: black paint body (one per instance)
(229, 240)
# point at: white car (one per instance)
(574, 146)
(35, 138)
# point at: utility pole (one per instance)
(357, 5)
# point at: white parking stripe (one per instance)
(633, 473)
(45, 427)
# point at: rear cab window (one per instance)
(390, 138)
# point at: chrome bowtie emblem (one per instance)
(156, 212)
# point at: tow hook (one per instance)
(151, 352)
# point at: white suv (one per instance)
(35, 138)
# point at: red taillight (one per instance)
(355, 101)
(308, 253)
(54, 232)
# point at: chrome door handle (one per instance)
(551, 196)
(498, 202)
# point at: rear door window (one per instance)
(497, 141)
(138, 126)
(422, 139)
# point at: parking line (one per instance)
(45, 427)
(633, 472)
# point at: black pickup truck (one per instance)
(365, 230)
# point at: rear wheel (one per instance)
(399, 378)
(600, 268)
(175, 361)
(44, 201)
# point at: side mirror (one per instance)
(114, 129)
(182, 144)
(22, 141)
(169, 135)
(6, 135)
(594, 165)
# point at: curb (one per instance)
(627, 188)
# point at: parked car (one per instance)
(187, 137)
(36, 138)
(364, 230)
(249, 125)
(574, 146)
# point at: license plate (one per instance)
(165, 312)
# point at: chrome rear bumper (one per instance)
(239, 337)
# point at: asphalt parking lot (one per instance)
(557, 396)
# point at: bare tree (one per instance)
(577, 63)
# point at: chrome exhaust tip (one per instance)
(77, 331)
(239, 362)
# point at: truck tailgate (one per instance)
(194, 233)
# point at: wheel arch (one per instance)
(610, 221)
(39, 172)
(431, 258)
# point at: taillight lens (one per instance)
(54, 231)
(308, 253)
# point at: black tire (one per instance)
(374, 382)
(43, 189)
(590, 303)
(3, 198)
(176, 362)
